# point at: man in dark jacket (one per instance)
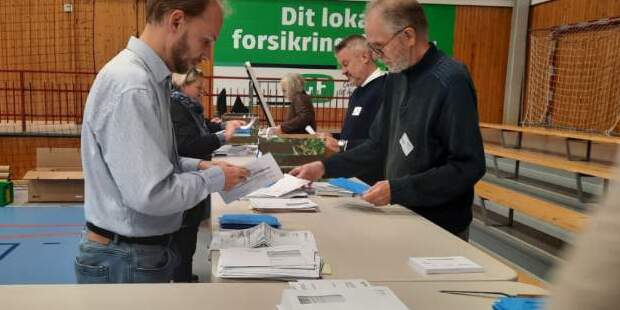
(426, 133)
(357, 64)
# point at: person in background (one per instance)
(301, 112)
(356, 61)
(195, 138)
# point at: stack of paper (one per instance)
(448, 264)
(263, 171)
(329, 284)
(360, 298)
(357, 186)
(326, 189)
(288, 261)
(283, 205)
(283, 186)
(236, 150)
(262, 235)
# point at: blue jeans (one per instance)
(120, 262)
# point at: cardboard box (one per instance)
(58, 176)
(292, 150)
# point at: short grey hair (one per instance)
(181, 80)
(399, 14)
(355, 41)
(294, 83)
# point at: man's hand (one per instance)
(233, 175)
(231, 127)
(330, 142)
(311, 171)
(379, 194)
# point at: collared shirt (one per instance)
(377, 73)
(135, 183)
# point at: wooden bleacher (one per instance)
(554, 133)
(533, 207)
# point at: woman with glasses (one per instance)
(301, 112)
(196, 138)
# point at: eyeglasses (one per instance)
(378, 48)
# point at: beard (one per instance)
(179, 51)
(399, 64)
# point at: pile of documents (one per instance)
(286, 187)
(326, 189)
(283, 205)
(265, 252)
(288, 261)
(236, 150)
(264, 171)
(262, 235)
(447, 264)
(338, 295)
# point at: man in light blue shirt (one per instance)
(136, 186)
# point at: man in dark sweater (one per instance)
(426, 133)
(356, 62)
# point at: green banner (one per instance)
(304, 32)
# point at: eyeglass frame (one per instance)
(379, 50)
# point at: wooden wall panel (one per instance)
(20, 152)
(481, 41)
(115, 22)
(560, 12)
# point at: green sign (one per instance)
(304, 32)
(319, 86)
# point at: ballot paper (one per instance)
(236, 150)
(262, 235)
(285, 185)
(283, 205)
(263, 172)
(269, 262)
(329, 284)
(249, 124)
(447, 264)
(367, 298)
(326, 189)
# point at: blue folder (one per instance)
(242, 221)
(518, 303)
(358, 188)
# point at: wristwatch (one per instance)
(343, 144)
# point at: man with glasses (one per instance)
(426, 134)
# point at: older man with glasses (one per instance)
(426, 134)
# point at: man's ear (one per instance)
(410, 35)
(366, 57)
(175, 21)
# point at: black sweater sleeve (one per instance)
(459, 131)
(365, 157)
(189, 141)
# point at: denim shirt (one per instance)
(135, 183)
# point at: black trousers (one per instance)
(185, 243)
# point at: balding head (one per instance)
(355, 59)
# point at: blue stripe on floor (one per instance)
(38, 244)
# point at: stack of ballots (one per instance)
(266, 252)
(283, 205)
(338, 295)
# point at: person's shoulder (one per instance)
(126, 71)
(447, 70)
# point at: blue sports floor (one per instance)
(38, 244)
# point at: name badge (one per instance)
(357, 111)
(405, 144)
